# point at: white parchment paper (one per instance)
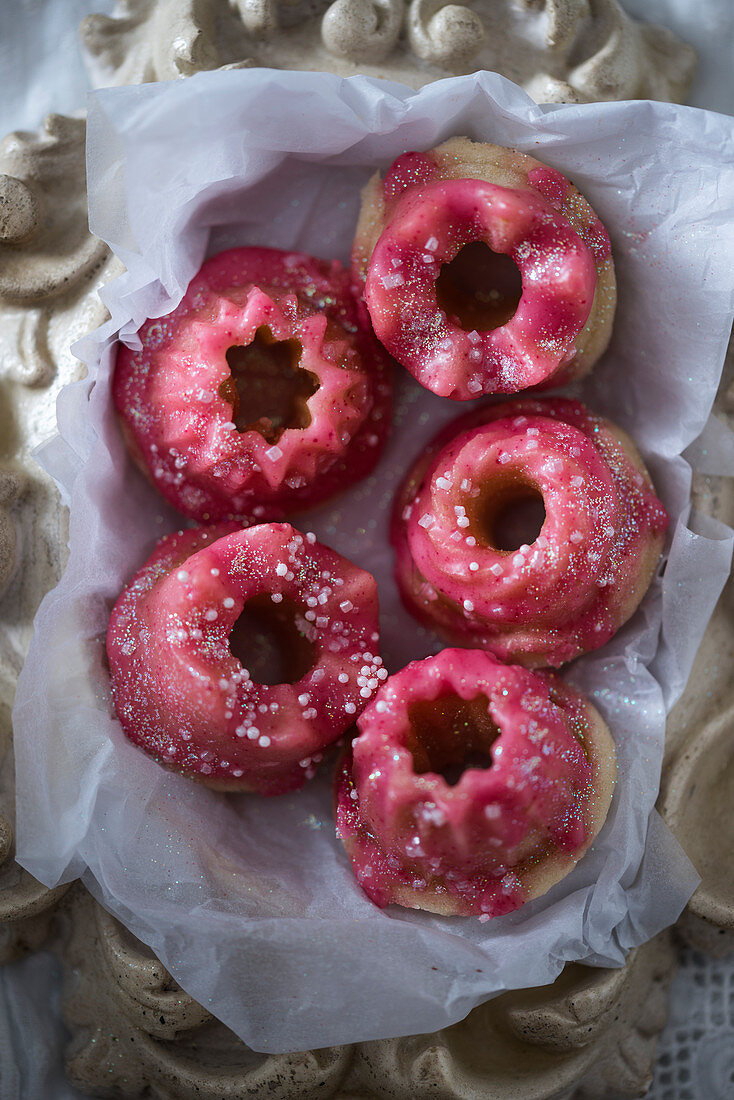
(250, 902)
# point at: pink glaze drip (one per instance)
(408, 171)
(428, 227)
(551, 185)
(179, 424)
(569, 590)
(560, 194)
(475, 841)
(182, 695)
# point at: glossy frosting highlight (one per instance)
(181, 693)
(426, 231)
(177, 400)
(416, 222)
(566, 590)
(488, 838)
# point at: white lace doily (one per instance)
(696, 1052)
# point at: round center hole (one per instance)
(449, 735)
(479, 289)
(268, 643)
(266, 388)
(508, 517)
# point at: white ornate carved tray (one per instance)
(593, 1032)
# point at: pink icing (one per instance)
(561, 194)
(476, 841)
(551, 184)
(428, 228)
(172, 395)
(569, 590)
(409, 170)
(182, 695)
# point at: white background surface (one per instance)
(40, 66)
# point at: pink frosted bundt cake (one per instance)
(473, 786)
(263, 392)
(237, 656)
(484, 271)
(530, 528)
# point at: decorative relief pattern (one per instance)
(626, 1066)
(698, 781)
(11, 486)
(696, 801)
(147, 994)
(446, 34)
(363, 28)
(559, 50)
(578, 1013)
(593, 1033)
(48, 258)
(26, 911)
(123, 1001)
(50, 267)
(25, 905)
(45, 247)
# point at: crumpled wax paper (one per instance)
(250, 902)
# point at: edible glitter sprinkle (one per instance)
(242, 712)
(442, 829)
(609, 530)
